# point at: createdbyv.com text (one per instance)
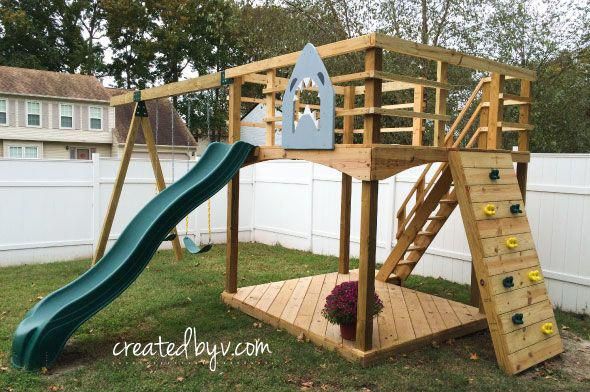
(191, 347)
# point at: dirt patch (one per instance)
(574, 362)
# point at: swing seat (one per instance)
(193, 248)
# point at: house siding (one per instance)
(44, 114)
(21, 117)
(11, 112)
(1, 148)
(55, 150)
(84, 118)
(55, 115)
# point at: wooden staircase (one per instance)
(434, 203)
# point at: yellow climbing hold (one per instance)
(547, 328)
(534, 276)
(511, 242)
(489, 210)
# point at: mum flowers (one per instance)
(341, 307)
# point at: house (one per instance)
(253, 130)
(54, 115)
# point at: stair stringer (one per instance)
(440, 188)
(518, 346)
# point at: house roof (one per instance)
(35, 82)
(161, 114)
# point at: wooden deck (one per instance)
(410, 319)
(368, 163)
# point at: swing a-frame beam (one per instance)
(452, 176)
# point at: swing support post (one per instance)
(139, 119)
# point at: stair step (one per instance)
(415, 247)
(448, 201)
(427, 233)
(407, 262)
(437, 217)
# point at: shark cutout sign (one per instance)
(304, 131)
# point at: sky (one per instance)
(541, 6)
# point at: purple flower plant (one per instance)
(342, 302)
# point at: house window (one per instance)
(95, 116)
(3, 112)
(23, 152)
(33, 114)
(66, 116)
(82, 152)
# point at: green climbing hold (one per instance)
(508, 282)
(494, 174)
(517, 318)
(515, 209)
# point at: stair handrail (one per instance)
(420, 189)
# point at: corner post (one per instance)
(346, 193)
(270, 107)
(523, 137)
(117, 187)
(368, 233)
(233, 191)
(496, 112)
(440, 103)
(417, 134)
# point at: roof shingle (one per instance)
(161, 114)
(51, 84)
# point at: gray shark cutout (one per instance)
(309, 133)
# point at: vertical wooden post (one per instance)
(233, 192)
(366, 288)
(345, 198)
(270, 107)
(440, 106)
(523, 137)
(148, 134)
(117, 187)
(482, 139)
(496, 111)
(373, 62)
(417, 123)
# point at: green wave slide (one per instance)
(42, 334)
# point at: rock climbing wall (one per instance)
(511, 284)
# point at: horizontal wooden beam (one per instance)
(386, 87)
(384, 130)
(512, 126)
(200, 83)
(393, 113)
(325, 51)
(452, 57)
(407, 80)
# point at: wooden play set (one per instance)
(465, 166)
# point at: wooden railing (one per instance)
(479, 136)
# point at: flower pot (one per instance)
(348, 331)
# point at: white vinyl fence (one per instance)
(53, 210)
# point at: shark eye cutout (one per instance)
(321, 78)
(293, 84)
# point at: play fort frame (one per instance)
(464, 146)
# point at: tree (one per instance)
(128, 27)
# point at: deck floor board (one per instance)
(409, 320)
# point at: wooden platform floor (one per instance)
(410, 319)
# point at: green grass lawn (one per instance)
(171, 296)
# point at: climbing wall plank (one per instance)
(511, 285)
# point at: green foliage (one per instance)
(152, 42)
